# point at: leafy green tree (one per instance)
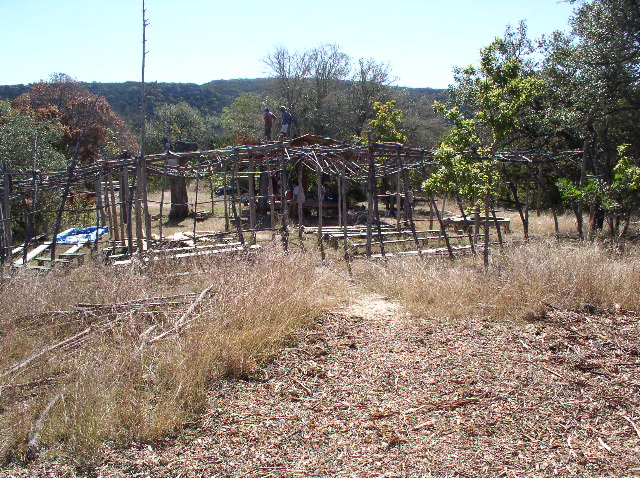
(22, 136)
(499, 92)
(244, 116)
(179, 122)
(592, 98)
(384, 127)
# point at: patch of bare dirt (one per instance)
(372, 392)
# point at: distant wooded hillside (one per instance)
(208, 98)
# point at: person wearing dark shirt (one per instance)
(287, 120)
(269, 118)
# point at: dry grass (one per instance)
(521, 280)
(114, 382)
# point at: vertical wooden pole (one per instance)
(142, 166)
(195, 206)
(498, 229)
(430, 216)
(127, 206)
(236, 217)
(301, 194)
(442, 228)
(137, 202)
(272, 200)
(34, 186)
(225, 200)
(487, 238)
(583, 182)
(252, 194)
(99, 206)
(122, 207)
(6, 216)
(408, 201)
(320, 200)
(4, 251)
(466, 222)
(374, 194)
(345, 216)
(7, 208)
(369, 209)
(162, 188)
(340, 201)
(107, 206)
(284, 207)
(144, 202)
(398, 202)
(213, 202)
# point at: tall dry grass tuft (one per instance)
(115, 383)
(521, 281)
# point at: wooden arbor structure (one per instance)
(121, 199)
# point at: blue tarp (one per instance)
(88, 234)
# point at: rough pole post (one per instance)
(345, 216)
(162, 188)
(142, 166)
(137, 204)
(272, 200)
(284, 207)
(369, 206)
(320, 200)
(374, 193)
(195, 207)
(408, 201)
(225, 200)
(465, 221)
(442, 228)
(398, 202)
(236, 217)
(252, 194)
(301, 193)
(99, 207)
(6, 216)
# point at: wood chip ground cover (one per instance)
(373, 392)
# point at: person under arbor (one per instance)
(298, 197)
(269, 119)
(287, 120)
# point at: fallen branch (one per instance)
(34, 434)
(26, 362)
(183, 319)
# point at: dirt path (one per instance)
(372, 392)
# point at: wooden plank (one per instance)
(38, 250)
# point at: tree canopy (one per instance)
(77, 110)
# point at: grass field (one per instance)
(99, 354)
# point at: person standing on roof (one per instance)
(269, 118)
(287, 121)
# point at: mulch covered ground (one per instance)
(372, 392)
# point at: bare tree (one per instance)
(325, 92)
(370, 82)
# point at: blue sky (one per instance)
(196, 41)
